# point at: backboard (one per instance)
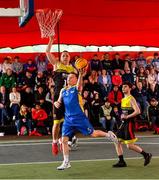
(24, 12)
(27, 8)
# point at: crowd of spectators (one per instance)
(27, 90)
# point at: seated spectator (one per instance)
(39, 117)
(115, 96)
(27, 97)
(4, 106)
(140, 60)
(117, 63)
(7, 64)
(28, 81)
(30, 66)
(106, 63)
(116, 116)
(153, 114)
(152, 77)
(49, 82)
(105, 80)
(40, 80)
(39, 94)
(106, 118)
(116, 78)
(17, 66)
(128, 76)
(95, 63)
(127, 61)
(23, 119)
(15, 100)
(155, 62)
(8, 80)
(142, 77)
(133, 69)
(152, 92)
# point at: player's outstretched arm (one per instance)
(49, 55)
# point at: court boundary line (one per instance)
(73, 161)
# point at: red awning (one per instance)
(89, 22)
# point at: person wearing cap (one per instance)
(116, 78)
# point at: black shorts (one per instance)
(126, 133)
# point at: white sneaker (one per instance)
(113, 137)
(64, 165)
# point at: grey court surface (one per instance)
(39, 150)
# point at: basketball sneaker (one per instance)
(147, 159)
(55, 149)
(120, 164)
(113, 137)
(64, 165)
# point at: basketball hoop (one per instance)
(47, 19)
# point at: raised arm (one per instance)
(80, 80)
(49, 55)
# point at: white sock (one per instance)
(66, 158)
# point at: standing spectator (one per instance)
(41, 62)
(115, 96)
(95, 63)
(140, 60)
(96, 104)
(15, 99)
(24, 119)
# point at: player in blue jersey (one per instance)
(75, 119)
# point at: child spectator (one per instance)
(153, 114)
(39, 117)
(41, 62)
(115, 96)
(24, 119)
(116, 78)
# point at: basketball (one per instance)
(81, 63)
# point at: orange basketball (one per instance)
(81, 63)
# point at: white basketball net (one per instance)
(47, 20)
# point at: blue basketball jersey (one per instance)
(72, 101)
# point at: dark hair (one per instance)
(155, 54)
(74, 74)
(128, 84)
(16, 57)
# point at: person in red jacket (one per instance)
(115, 96)
(116, 78)
(39, 117)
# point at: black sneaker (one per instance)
(120, 164)
(147, 159)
